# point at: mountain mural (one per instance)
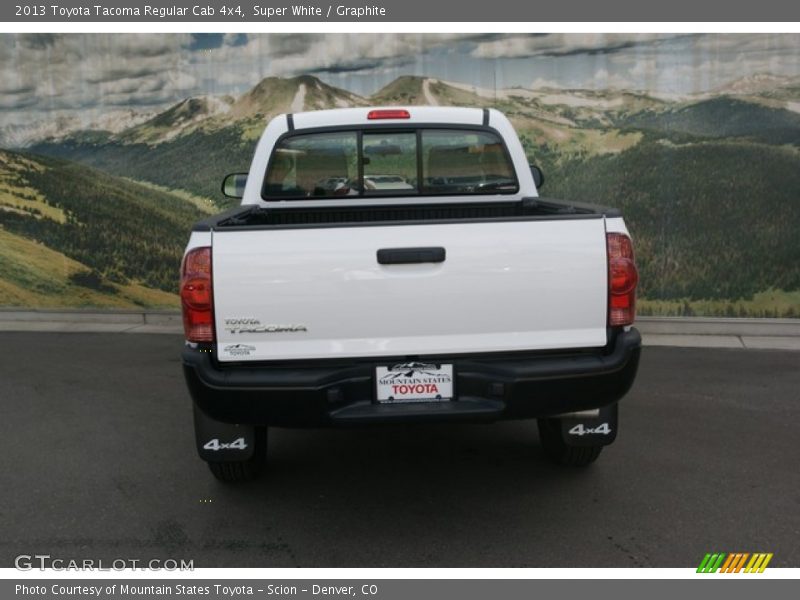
(709, 182)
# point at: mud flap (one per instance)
(222, 442)
(587, 429)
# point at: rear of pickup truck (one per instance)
(393, 265)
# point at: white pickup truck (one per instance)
(393, 265)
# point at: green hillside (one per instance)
(712, 220)
(722, 117)
(196, 162)
(33, 275)
(116, 233)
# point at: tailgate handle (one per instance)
(405, 256)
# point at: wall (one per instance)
(114, 144)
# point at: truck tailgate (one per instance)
(283, 294)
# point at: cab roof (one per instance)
(388, 115)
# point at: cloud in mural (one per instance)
(564, 44)
(79, 71)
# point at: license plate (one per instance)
(415, 382)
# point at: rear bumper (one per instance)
(492, 387)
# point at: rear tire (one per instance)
(243, 470)
(559, 452)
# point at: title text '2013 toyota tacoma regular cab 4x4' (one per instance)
(394, 265)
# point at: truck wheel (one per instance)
(243, 470)
(559, 452)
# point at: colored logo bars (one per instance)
(734, 563)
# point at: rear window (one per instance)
(389, 163)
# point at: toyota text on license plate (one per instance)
(414, 382)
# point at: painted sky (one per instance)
(71, 74)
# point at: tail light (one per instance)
(197, 298)
(388, 114)
(622, 280)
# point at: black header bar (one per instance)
(261, 11)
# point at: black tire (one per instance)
(559, 452)
(243, 470)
